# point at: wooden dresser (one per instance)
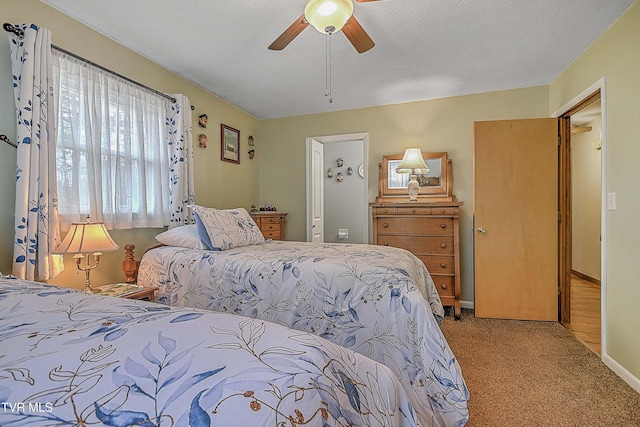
(431, 232)
(429, 227)
(271, 224)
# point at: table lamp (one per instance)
(86, 238)
(413, 164)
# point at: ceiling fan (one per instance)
(328, 17)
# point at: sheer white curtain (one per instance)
(112, 156)
(36, 222)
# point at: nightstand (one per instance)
(271, 224)
(124, 290)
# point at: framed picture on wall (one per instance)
(229, 144)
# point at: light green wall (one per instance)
(435, 125)
(217, 183)
(616, 57)
(586, 192)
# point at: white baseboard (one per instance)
(622, 372)
(467, 304)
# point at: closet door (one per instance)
(515, 208)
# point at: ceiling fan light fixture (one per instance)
(328, 16)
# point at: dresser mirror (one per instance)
(435, 183)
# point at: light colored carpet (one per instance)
(522, 373)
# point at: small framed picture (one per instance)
(229, 144)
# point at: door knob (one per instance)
(481, 230)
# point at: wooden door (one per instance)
(515, 206)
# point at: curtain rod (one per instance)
(18, 32)
(8, 141)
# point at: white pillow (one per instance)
(226, 229)
(184, 236)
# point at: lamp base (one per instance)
(414, 187)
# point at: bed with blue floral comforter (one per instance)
(378, 301)
(69, 358)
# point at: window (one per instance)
(111, 155)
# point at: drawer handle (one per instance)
(413, 210)
(443, 245)
(443, 265)
(443, 285)
(443, 226)
(385, 225)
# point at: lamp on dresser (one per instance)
(413, 164)
(83, 239)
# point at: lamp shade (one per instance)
(328, 16)
(412, 162)
(86, 238)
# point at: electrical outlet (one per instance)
(611, 201)
(343, 233)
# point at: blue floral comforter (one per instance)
(68, 358)
(378, 301)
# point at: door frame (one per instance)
(564, 195)
(364, 136)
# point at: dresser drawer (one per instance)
(413, 211)
(439, 264)
(273, 235)
(270, 220)
(383, 211)
(415, 226)
(270, 227)
(419, 245)
(443, 211)
(444, 284)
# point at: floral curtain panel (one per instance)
(179, 130)
(36, 218)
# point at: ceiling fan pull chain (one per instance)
(328, 68)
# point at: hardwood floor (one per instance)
(585, 313)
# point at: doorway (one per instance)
(581, 278)
(337, 188)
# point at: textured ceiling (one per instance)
(425, 49)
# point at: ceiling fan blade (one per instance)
(357, 35)
(580, 129)
(289, 34)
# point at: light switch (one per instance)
(611, 201)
